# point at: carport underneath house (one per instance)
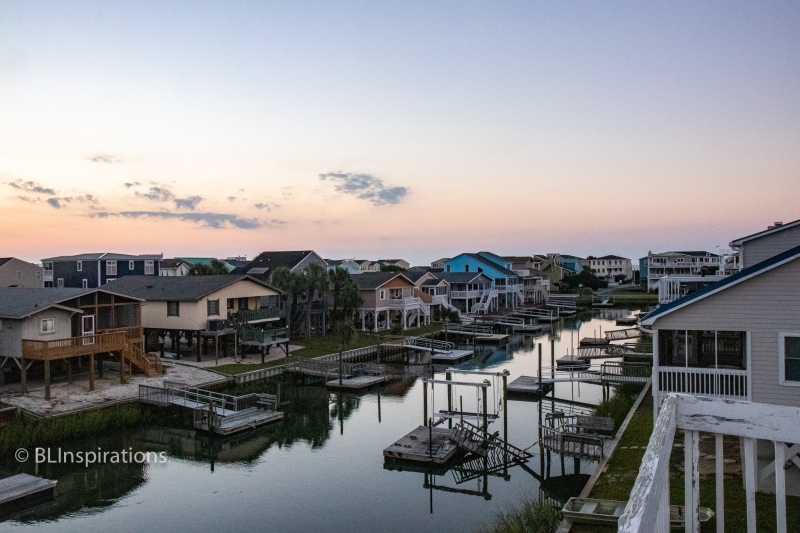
(55, 329)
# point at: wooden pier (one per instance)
(494, 338)
(594, 341)
(357, 382)
(452, 358)
(425, 445)
(25, 489)
(528, 386)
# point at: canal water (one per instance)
(321, 469)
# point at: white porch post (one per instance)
(363, 321)
(750, 481)
(691, 475)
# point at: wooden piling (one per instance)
(91, 372)
(540, 367)
(47, 379)
(425, 403)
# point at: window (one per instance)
(230, 303)
(111, 268)
(382, 294)
(19, 275)
(131, 265)
(466, 268)
(38, 275)
(85, 283)
(789, 357)
(173, 308)
(48, 325)
(448, 268)
(149, 268)
(213, 307)
(80, 266)
(60, 282)
(703, 349)
(243, 304)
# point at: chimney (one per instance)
(776, 225)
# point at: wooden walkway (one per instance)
(23, 486)
(357, 382)
(492, 339)
(528, 385)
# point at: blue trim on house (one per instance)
(731, 280)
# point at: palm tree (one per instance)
(214, 268)
(316, 279)
(345, 331)
(338, 279)
(290, 284)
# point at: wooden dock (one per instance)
(424, 444)
(25, 489)
(593, 341)
(357, 382)
(494, 338)
(528, 386)
(452, 358)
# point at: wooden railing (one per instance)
(73, 346)
(133, 333)
(149, 364)
(718, 383)
(648, 508)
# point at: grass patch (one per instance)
(26, 433)
(241, 368)
(532, 516)
(319, 346)
(619, 405)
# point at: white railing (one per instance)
(670, 288)
(48, 275)
(712, 382)
(403, 303)
(466, 294)
(509, 288)
(648, 508)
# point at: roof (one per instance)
(695, 253)
(414, 274)
(768, 231)
(172, 263)
(730, 281)
(372, 280)
(4, 260)
(460, 277)
(491, 264)
(434, 282)
(180, 288)
(271, 261)
(105, 256)
(21, 302)
(613, 257)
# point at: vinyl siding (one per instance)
(8, 274)
(309, 259)
(193, 316)
(764, 305)
(763, 248)
(30, 328)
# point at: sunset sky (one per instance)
(414, 130)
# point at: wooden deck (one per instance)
(246, 419)
(454, 357)
(593, 341)
(24, 486)
(492, 339)
(417, 446)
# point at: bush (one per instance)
(533, 516)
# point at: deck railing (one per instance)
(714, 382)
(73, 346)
(133, 333)
(466, 294)
(251, 315)
(648, 508)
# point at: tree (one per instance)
(290, 284)
(587, 278)
(345, 331)
(338, 279)
(214, 268)
(316, 280)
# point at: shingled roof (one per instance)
(21, 302)
(268, 262)
(177, 288)
(372, 280)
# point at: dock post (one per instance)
(69, 370)
(485, 414)
(430, 439)
(505, 405)
(425, 402)
(540, 368)
(122, 366)
(448, 376)
(379, 408)
(47, 379)
(23, 374)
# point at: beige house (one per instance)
(18, 273)
(193, 307)
(390, 296)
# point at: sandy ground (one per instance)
(72, 397)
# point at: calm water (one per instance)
(321, 469)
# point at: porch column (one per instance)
(47, 379)
(176, 344)
(418, 313)
(122, 366)
(363, 321)
(91, 372)
(197, 348)
(100, 366)
(23, 374)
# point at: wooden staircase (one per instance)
(149, 364)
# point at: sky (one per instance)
(382, 130)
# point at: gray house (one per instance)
(18, 273)
(765, 244)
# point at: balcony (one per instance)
(648, 509)
(403, 303)
(252, 316)
(723, 383)
(48, 275)
(508, 288)
(463, 295)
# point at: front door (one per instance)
(87, 328)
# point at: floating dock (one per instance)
(424, 444)
(528, 386)
(627, 321)
(357, 382)
(494, 338)
(25, 489)
(594, 341)
(452, 358)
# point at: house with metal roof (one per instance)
(390, 297)
(18, 273)
(506, 282)
(54, 327)
(97, 269)
(191, 310)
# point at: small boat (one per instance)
(572, 363)
(607, 512)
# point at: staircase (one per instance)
(149, 364)
(485, 303)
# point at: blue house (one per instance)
(506, 286)
(571, 262)
(95, 270)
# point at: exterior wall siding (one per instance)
(764, 306)
(30, 275)
(309, 259)
(68, 271)
(460, 263)
(13, 331)
(763, 248)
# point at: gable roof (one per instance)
(612, 257)
(414, 274)
(21, 302)
(461, 277)
(105, 256)
(730, 281)
(4, 260)
(491, 264)
(177, 288)
(172, 263)
(272, 261)
(372, 280)
(768, 231)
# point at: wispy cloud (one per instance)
(131, 184)
(261, 206)
(157, 194)
(30, 186)
(187, 203)
(365, 187)
(207, 220)
(105, 159)
(58, 203)
(30, 200)
(231, 198)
